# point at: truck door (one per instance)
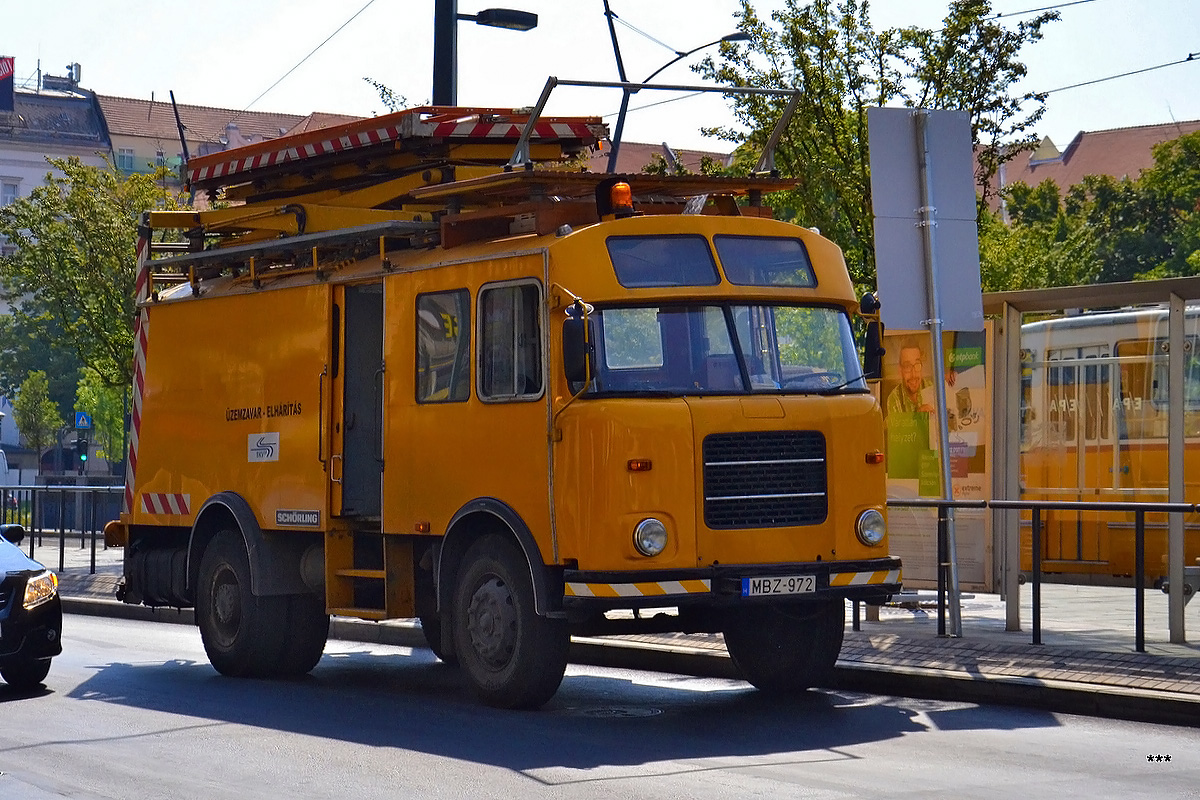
(358, 401)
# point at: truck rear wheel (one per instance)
(512, 657)
(243, 635)
(786, 649)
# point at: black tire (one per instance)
(243, 635)
(431, 627)
(306, 634)
(512, 657)
(786, 649)
(26, 674)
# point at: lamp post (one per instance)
(627, 93)
(445, 42)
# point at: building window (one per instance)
(9, 192)
(510, 342)
(125, 159)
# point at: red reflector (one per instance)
(639, 465)
(875, 457)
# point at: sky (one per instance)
(234, 51)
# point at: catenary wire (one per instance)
(306, 58)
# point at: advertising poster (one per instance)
(909, 399)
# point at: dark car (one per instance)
(30, 614)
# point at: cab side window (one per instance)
(443, 347)
(510, 342)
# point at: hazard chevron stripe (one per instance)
(864, 578)
(646, 589)
(164, 503)
(353, 140)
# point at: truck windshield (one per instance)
(725, 349)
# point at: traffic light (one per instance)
(81, 454)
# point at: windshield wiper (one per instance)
(843, 385)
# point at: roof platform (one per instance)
(427, 132)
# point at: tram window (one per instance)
(1191, 376)
(1069, 396)
(443, 347)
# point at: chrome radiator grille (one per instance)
(764, 479)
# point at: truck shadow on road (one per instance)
(601, 722)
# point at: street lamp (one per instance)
(626, 93)
(445, 42)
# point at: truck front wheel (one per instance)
(243, 634)
(512, 657)
(786, 649)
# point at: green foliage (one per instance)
(106, 404)
(72, 274)
(660, 166)
(843, 66)
(1034, 256)
(31, 339)
(391, 101)
(35, 414)
(1104, 230)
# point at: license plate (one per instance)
(779, 584)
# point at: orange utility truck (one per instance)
(401, 373)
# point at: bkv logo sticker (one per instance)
(262, 447)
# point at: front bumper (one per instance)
(871, 581)
(30, 635)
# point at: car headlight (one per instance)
(40, 588)
(870, 528)
(650, 537)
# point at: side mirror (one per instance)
(873, 351)
(12, 533)
(577, 351)
(869, 305)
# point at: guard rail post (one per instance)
(1036, 543)
(92, 526)
(943, 568)
(62, 529)
(1139, 559)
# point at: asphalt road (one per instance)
(133, 710)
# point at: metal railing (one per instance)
(63, 512)
(1036, 507)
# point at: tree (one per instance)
(75, 262)
(106, 405)
(1104, 229)
(842, 67)
(36, 415)
(30, 339)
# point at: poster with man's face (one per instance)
(908, 394)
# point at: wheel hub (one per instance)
(227, 607)
(492, 623)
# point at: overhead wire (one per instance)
(298, 64)
(1190, 57)
(1039, 10)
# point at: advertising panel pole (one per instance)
(928, 224)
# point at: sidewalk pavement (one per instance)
(1087, 663)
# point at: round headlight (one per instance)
(650, 537)
(870, 527)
